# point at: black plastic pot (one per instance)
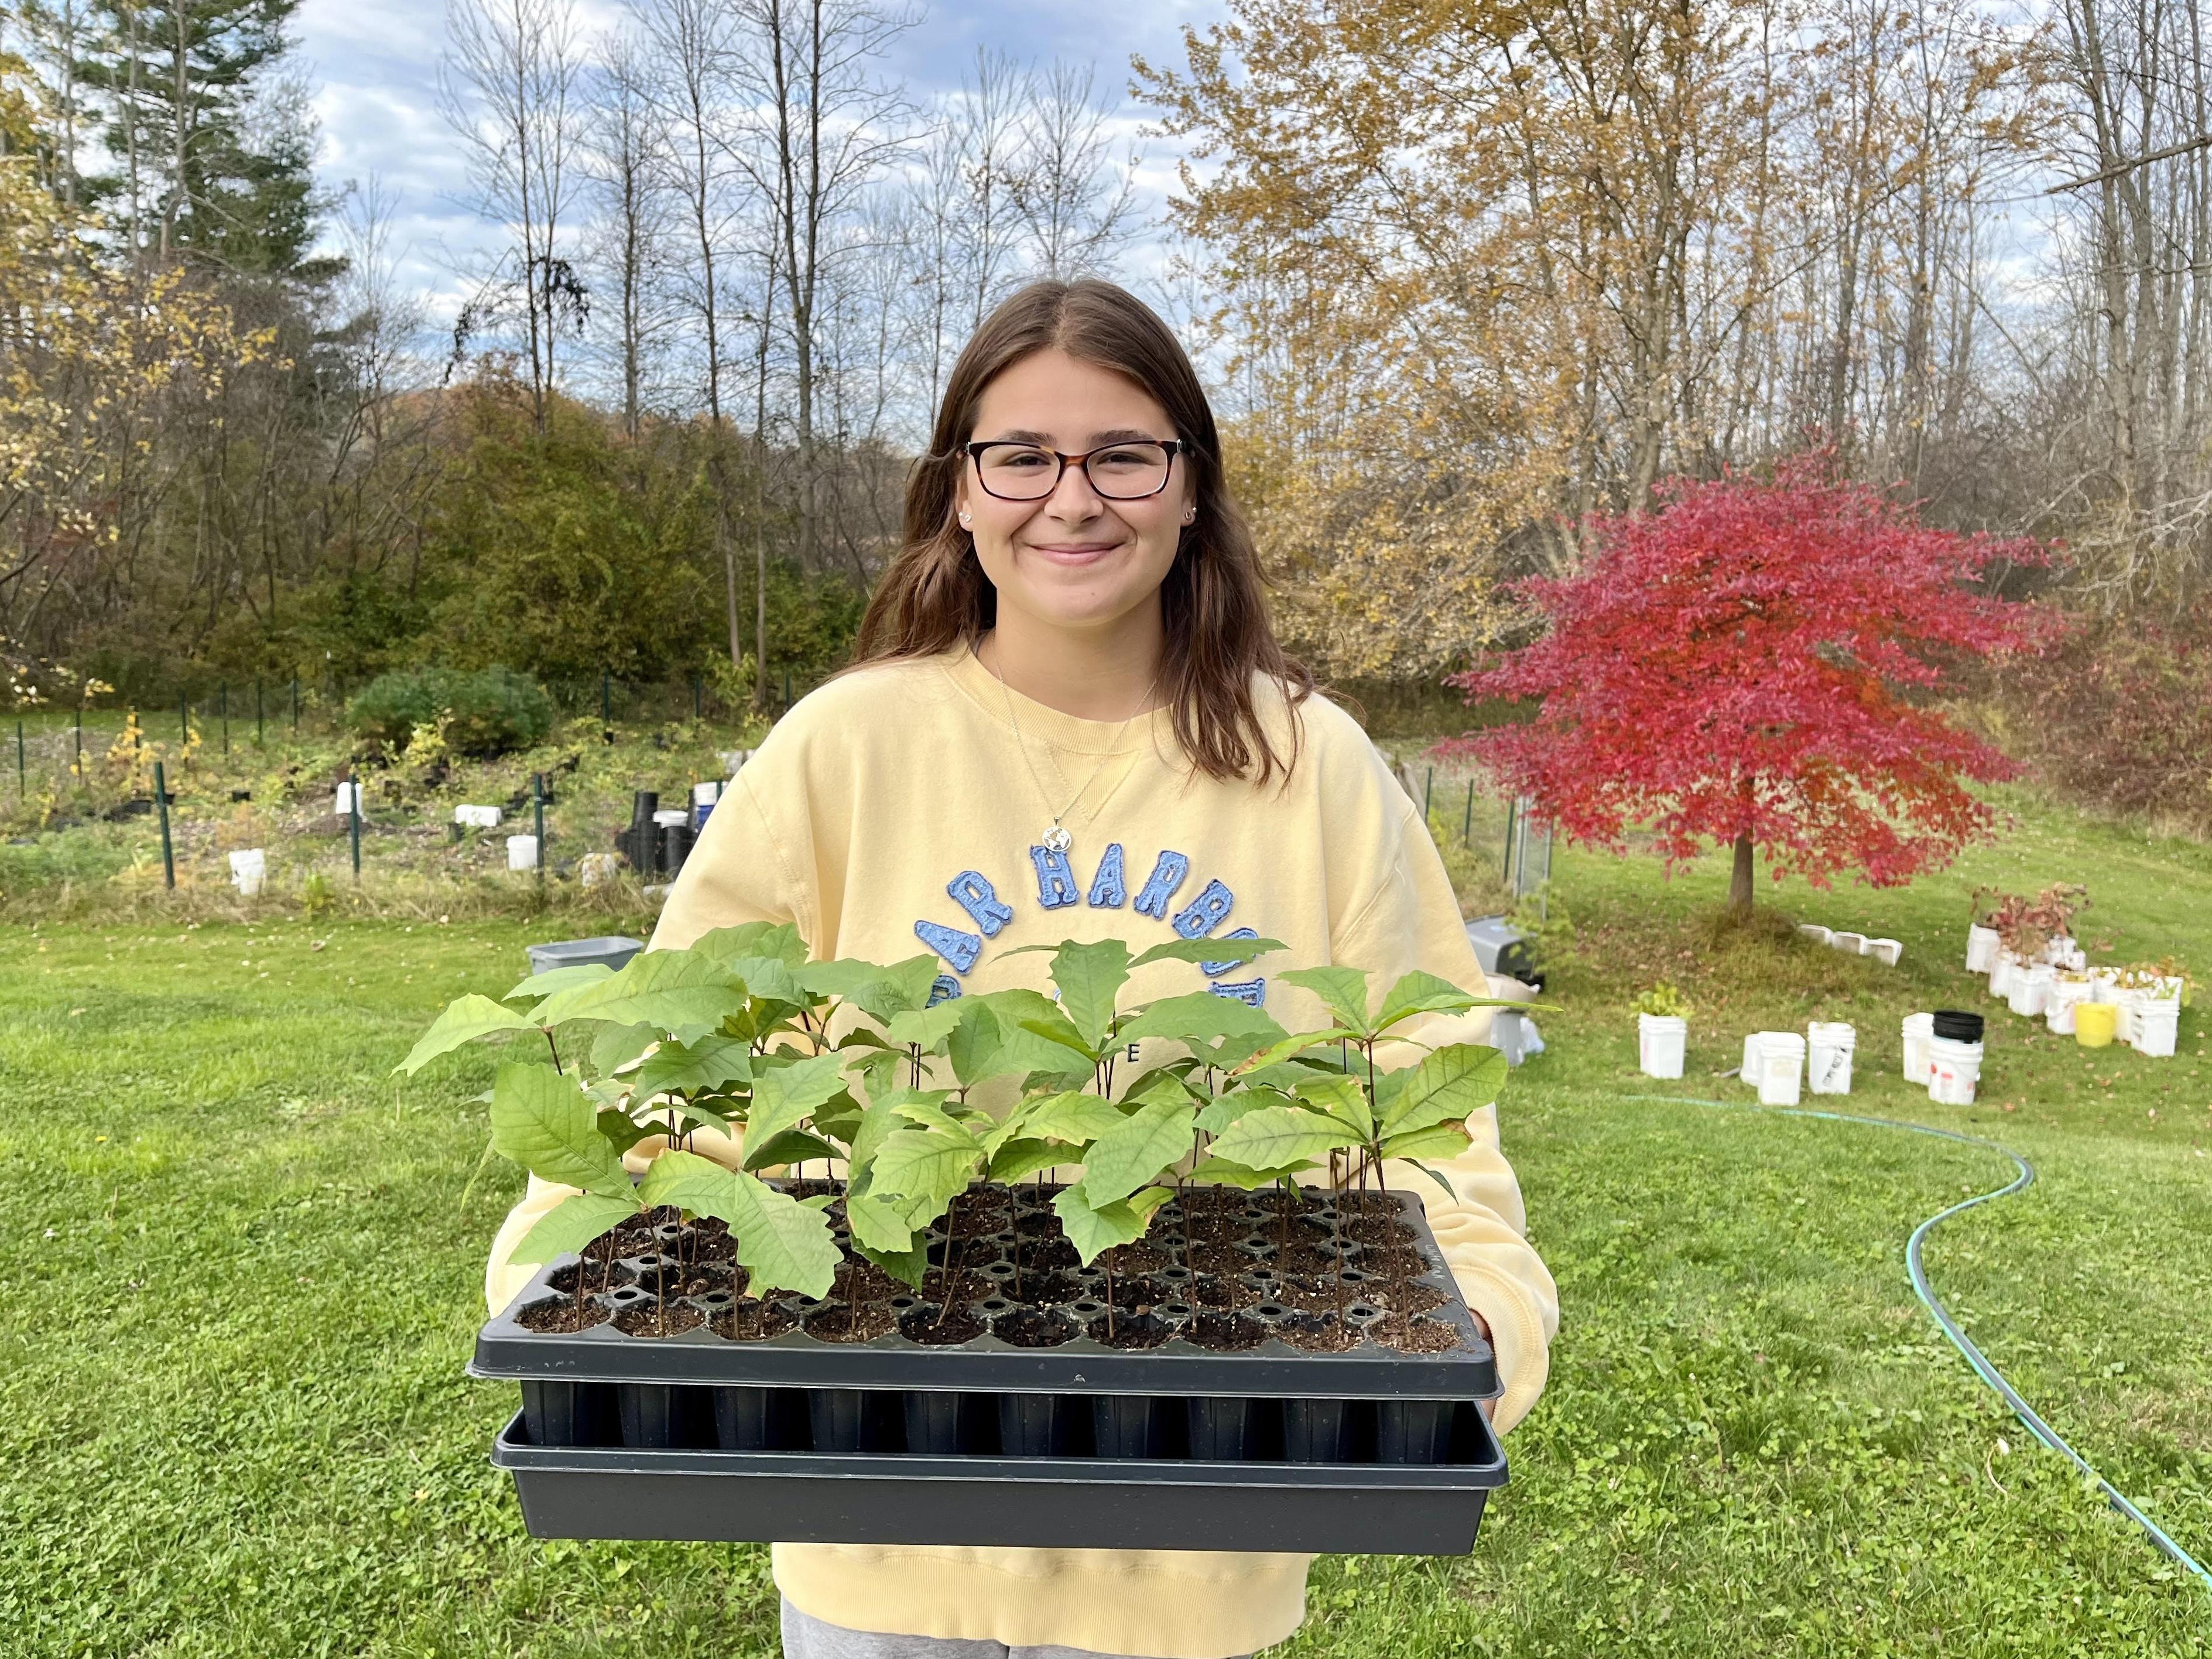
(1064, 1503)
(1050, 1427)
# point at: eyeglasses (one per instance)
(1126, 471)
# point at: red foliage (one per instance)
(1761, 657)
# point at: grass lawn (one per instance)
(242, 1267)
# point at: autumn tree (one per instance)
(1757, 662)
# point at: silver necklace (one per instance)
(1057, 837)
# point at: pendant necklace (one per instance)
(1057, 837)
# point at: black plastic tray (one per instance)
(1070, 1502)
(506, 1348)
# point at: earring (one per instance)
(964, 521)
(1190, 515)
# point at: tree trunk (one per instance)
(1739, 903)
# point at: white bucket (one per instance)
(705, 794)
(1887, 951)
(2104, 985)
(1918, 1028)
(522, 852)
(2002, 967)
(733, 759)
(1748, 1072)
(1814, 931)
(1953, 1070)
(2129, 1000)
(2068, 991)
(668, 816)
(2157, 1020)
(1828, 1048)
(1781, 1067)
(1660, 1042)
(477, 817)
(1849, 943)
(2030, 989)
(350, 800)
(248, 869)
(1981, 949)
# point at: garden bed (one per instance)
(1301, 1373)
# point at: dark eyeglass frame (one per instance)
(1174, 447)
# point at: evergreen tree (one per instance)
(213, 147)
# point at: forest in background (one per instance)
(1458, 277)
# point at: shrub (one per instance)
(486, 712)
(2119, 716)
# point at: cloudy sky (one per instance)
(374, 63)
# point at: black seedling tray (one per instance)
(1064, 1503)
(789, 1436)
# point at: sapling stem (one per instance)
(951, 1260)
(1110, 1248)
(550, 1043)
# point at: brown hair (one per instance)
(935, 596)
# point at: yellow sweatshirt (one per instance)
(893, 811)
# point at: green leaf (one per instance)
(697, 1185)
(925, 1027)
(1094, 1231)
(1034, 1036)
(663, 988)
(835, 979)
(538, 987)
(1281, 1137)
(1089, 978)
(876, 1225)
(781, 1243)
(1448, 1086)
(622, 1132)
(1209, 950)
(1135, 1150)
(569, 1225)
(1071, 1116)
(884, 1074)
(896, 989)
(1202, 1017)
(545, 1123)
(1158, 1085)
(1336, 1096)
(927, 1166)
(1343, 989)
(784, 1095)
(791, 1147)
(1219, 1172)
(974, 1043)
(709, 1062)
(771, 980)
(1437, 1177)
(1224, 1109)
(1275, 1052)
(779, 939)
(1437, 1141)
(616, 1046)
(1020, 1157)
(465, 1019)
(1420, 993)
(931, 1114)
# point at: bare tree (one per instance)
(510, 87)
(823, 126)
(1075, 190)
(626, 158)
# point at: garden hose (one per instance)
(1975, 1358)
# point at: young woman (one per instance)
(1069, 719)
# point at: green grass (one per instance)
(242, 1267)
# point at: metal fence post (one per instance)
(80, 740)
(296, 705)
(606, 700)
(1467, 824)
(353, 822)
(222, 703)
(19, 785)
(538, 820)
(1505, 869)
(184, 720)
(161, 804)
(1428, 792)
(258, 734)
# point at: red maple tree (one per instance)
(1757, 662)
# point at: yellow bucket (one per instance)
(2093, 1023)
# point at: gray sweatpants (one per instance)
(810, 1638)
